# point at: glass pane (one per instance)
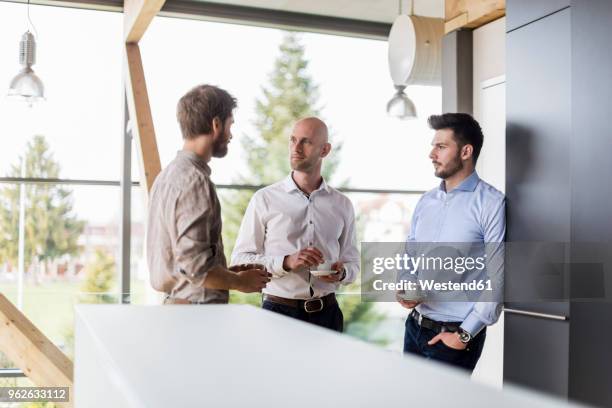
(70, 247)
(204, 52)
(141, 290)
(80, 67)
(348, 91)
(378, 151)
(379, 218)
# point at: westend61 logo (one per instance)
(432, 271)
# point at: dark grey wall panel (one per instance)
(457, 73)
(521, 12)
(538, 137)
(591, 328)
(592, 111)
(559, 190)
(590, 359)
(536, 353)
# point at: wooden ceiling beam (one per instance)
(138, 15)
(143, 131)
(471, 13)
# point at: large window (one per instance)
(80, 66)
(353, 88)
(71, 238)
(81, 126)
(348, 89)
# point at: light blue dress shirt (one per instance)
(472, 212)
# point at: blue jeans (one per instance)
(330, 317)
(416, 338)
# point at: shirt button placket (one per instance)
(310, 223)
(442, 218)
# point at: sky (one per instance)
(80, 62)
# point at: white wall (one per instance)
(489, 52)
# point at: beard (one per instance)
(450, 169)
(220, 148)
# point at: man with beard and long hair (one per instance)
(297, 224)
(184, 245)
(463, 209)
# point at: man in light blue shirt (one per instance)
(463, 209)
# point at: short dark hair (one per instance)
(198, 107)
(466, 129)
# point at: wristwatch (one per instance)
(464, 336)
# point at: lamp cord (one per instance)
(400, 7)
(30, 20)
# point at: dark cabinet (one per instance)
(558, 169)
(536, 353)
(591, 325)
(538, 178)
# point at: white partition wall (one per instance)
(489, 52)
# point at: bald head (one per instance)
(308, 145)
(314, 126)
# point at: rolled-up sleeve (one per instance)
(195, 251)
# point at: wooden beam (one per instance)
(143, 131)
(138, 14)
(30, 350)
(471, 13)
(454, 8)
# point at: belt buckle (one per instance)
(307, 302)
(418, 317)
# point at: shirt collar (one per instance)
(468, 184)
(289, 185)
(195, 159)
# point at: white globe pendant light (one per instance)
(415, 58)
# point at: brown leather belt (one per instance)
(309, 305)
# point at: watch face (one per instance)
(464, 337)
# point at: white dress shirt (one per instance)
(281, 220)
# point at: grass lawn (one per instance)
(50, 306)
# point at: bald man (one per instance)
(301, 225)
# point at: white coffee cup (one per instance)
(323, 269)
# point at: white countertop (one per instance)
(241, 356)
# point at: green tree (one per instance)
(51, 228)
(100, 279)
(289, 96)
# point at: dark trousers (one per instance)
(330, 317)
(416, 338)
